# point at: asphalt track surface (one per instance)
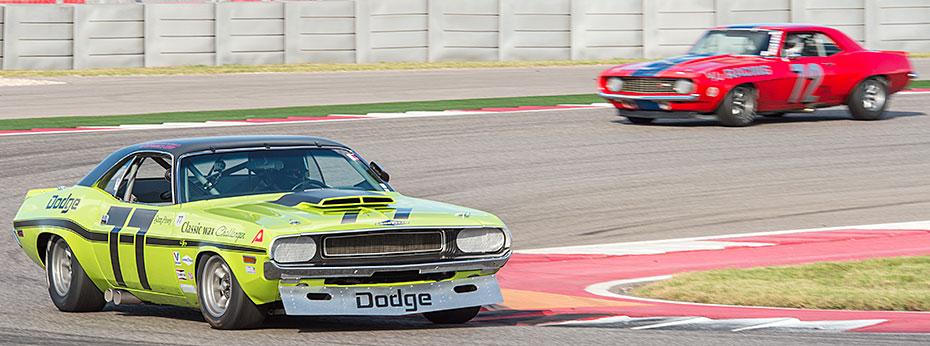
(116, 95)
(557, 178)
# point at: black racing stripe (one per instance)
(402, 213)
(349, 217)
(142, 219)
(116, 216)
(125, 238)
(225, 246)
(195, 243)
(66, 224)
(114, 256)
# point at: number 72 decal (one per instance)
(809, 71)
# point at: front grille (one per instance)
(649, 85)
(390, 243)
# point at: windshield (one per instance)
(743, 42)
(272, 171)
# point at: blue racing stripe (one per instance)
(664, 64)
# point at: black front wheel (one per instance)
(454, 316)
(222, 302)
(68, 285)
(738, 108)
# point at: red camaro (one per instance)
(737, 72)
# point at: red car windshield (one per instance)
(742, 42)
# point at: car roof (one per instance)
(776, 26)
(178, 147)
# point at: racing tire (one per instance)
(454, 316)
(639, 120)
(868, 100)
(738, 108)
(222, 302)
(68, 285)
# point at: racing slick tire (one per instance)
(454, 316)
(639, 120)
(868, 100)
(68, 285)
(222, 302)
(738, 108)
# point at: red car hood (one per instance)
(688, 64)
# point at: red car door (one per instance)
(813, 68)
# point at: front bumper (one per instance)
(274, 271)
(390, 300)
(670, 98)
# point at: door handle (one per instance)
(829, 64)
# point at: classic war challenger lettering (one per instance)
(737, 72)
(242, 227)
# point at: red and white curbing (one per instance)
(591, 272)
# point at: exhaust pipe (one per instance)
(120, 297)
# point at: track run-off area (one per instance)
(561, 179)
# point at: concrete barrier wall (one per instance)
(66, 36)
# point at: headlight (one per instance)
(614, 84)
(293, 249)
(480, 240)
(683, 86)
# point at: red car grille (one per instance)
(649, 85)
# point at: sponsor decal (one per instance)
(353, 157)
(190, 276)
(410, 302)
(774, 44)
(739, 72)
(177, 258)
(250, 269)
(162, 220)
(259, 237)
(167, 146)
(248, 259)
(182, 274)
(205, 230)
(187, 260)
(65, 204)
(179, 220)
(188, 288)
(392, 223)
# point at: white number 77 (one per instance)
(810, 71)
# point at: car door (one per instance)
(812, 68)
(141, 202)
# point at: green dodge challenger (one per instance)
(242, 227)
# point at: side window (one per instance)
(149, 180)
(810, 45)
(115, 178)
(828, 47)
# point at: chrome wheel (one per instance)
(217, 286)
(873, 97)
(742, 104)
(60, 266)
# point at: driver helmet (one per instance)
(794, 46)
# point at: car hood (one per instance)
(684, 66)
(310, 211)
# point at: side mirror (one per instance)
(385, 177)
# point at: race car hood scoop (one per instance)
(323, 198)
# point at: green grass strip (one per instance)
(919, 84)
(898, 283)
(309, 111)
